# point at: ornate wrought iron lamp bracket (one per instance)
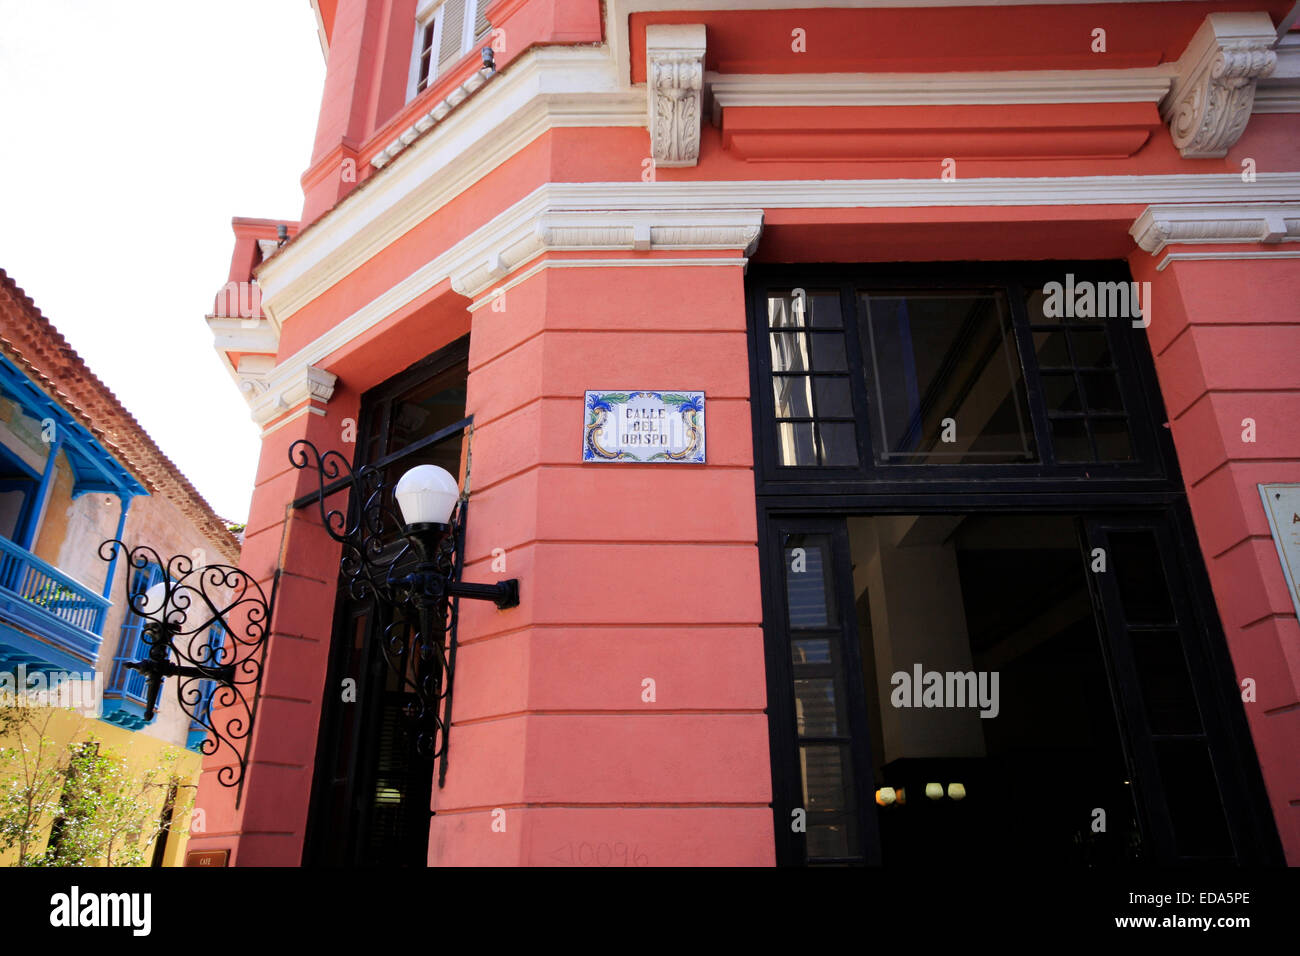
(412, 572)
(205, 623)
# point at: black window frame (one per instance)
(1153, 466)
(817, 500)
(361, 843)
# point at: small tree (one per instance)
(128, 819)
(95, 809)
(32, 773)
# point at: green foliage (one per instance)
(30, 789)
(79, 805)
(54, 594)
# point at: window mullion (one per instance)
(1029, 369)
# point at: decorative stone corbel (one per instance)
(675, 89)
(320, 384)
(274, 393)
(252, 374)
(1212, 95)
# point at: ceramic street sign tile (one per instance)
(643, 426)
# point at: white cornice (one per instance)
(346, 256)
(233, 334)
(578, 86)
(432, 118)
(1158, 226)
(509, 234)
(502, 250)
(1148, 85)
(895, 193)
(548, 88)
(1280, 91)
(1225, 256)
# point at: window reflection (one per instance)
(944, 374)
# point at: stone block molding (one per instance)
(603, 231)
(1158, 226)
(299, 394)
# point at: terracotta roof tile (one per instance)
(34, 344)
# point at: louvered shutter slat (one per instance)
(453, 32)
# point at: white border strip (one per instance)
(1207, 256)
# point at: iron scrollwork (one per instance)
(210, 625)
(410, 575)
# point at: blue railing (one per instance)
(63, 614)
(124, 695)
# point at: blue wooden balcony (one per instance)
(48, 621)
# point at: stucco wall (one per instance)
(142, 754)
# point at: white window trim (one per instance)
(432, 9)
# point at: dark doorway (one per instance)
(989, 700)
(372, 790)
(1004, 473)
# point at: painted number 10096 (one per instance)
(600, 854)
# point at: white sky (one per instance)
(130, 133)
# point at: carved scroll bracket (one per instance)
(1211, 99)
(675, 87)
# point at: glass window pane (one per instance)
(816, 707)
(1034, 306)
(1070, 440)
(1102, 392)
(1192, 793)
(818, 309)
(782, 313)
(789, 352)
(811, 650)
(1091, 350)
(825, 785)
(1051, 349)
(828, 352)
(944, 375)
(824, 310)
(830, 841)
(1061, 392)
(834, 399)
(1111, 436)
(796, 443)
(793, 396)
(839, 444)
(1144, 592)
(1167, 692)
(808, 597)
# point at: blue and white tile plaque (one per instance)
(644, 426)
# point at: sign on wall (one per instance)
(1282, 505)
(207, 858)
(643, 426)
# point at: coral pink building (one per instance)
(959, 339)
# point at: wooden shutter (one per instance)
(453, 33)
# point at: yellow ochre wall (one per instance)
(141, 752)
